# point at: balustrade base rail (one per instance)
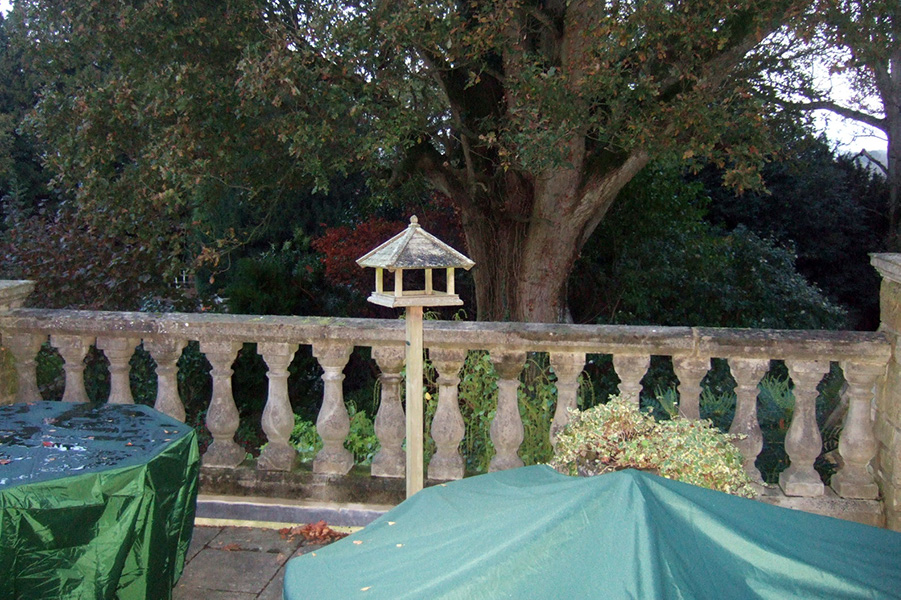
(245, 483)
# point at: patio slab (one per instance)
(237, 563)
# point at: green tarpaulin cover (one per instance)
(533, 533)
(97, 501)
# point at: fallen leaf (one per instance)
(368, 587)
(358, 542)
(5, 461)
(391, 522)
(313, 532)
(48, 444)
(231, 547)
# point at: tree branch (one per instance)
(873, 160)
(844, 111)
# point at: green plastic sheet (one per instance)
(533, 533)
(97, 501)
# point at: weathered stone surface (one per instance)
(747, 373)
(13, 293)
(631, 369)
(355, 487)
(691, 371)
(868, 512)
(567, 367)
(222, 418)
(858, 444)
(24, 348)
(803, 441)
(887, 428)
(447, 427)
(390, 421)
(278, 416)
(73, 349)
(166, 352)
(333, 423)
(507, 431)
(118, 351)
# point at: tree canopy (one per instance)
(530, 115)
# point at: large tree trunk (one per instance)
(893, 133)
(526, 238)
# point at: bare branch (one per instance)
(843, 111)
(873, 160)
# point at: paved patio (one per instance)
(238, 552)
(238, 563)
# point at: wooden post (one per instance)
(414, 399)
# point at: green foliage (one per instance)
(656, 260)
(156, 117)
(361, 440)
(775, 408)
(616, 435)
(828, 210)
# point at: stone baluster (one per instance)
(25, 347)
(73, 349)
(118, 352)
(857, 445)
(222, 418)
(166, 352)
(747, 373)
(691, 371)
(803, 442)
(448, 427)
(390, 423)
(507, 432)
(631, 368)
(567, 367)
(278, 416)
(333, 423)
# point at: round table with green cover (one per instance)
(97, 501)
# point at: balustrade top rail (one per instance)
(530, 337)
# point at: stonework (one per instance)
(887, 427)
(869, 448)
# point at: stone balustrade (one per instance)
(863, 357)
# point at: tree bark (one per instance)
(525, 237)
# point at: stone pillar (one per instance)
(278, 416)
(13, 295)
(73, 349)
(166, 352)
(448, 427)
(24, 348)
(857, 445)
(390, 423)
(747, 373)
(630, 369)
(222, 418)
(507, 432)
(567, 367)
(118, 352)
(690, 370)
(333, 423)
(887, 426)
(803, 442)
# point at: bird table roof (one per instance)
(415, 248)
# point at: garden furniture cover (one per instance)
(533, 533)
(96, 501)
